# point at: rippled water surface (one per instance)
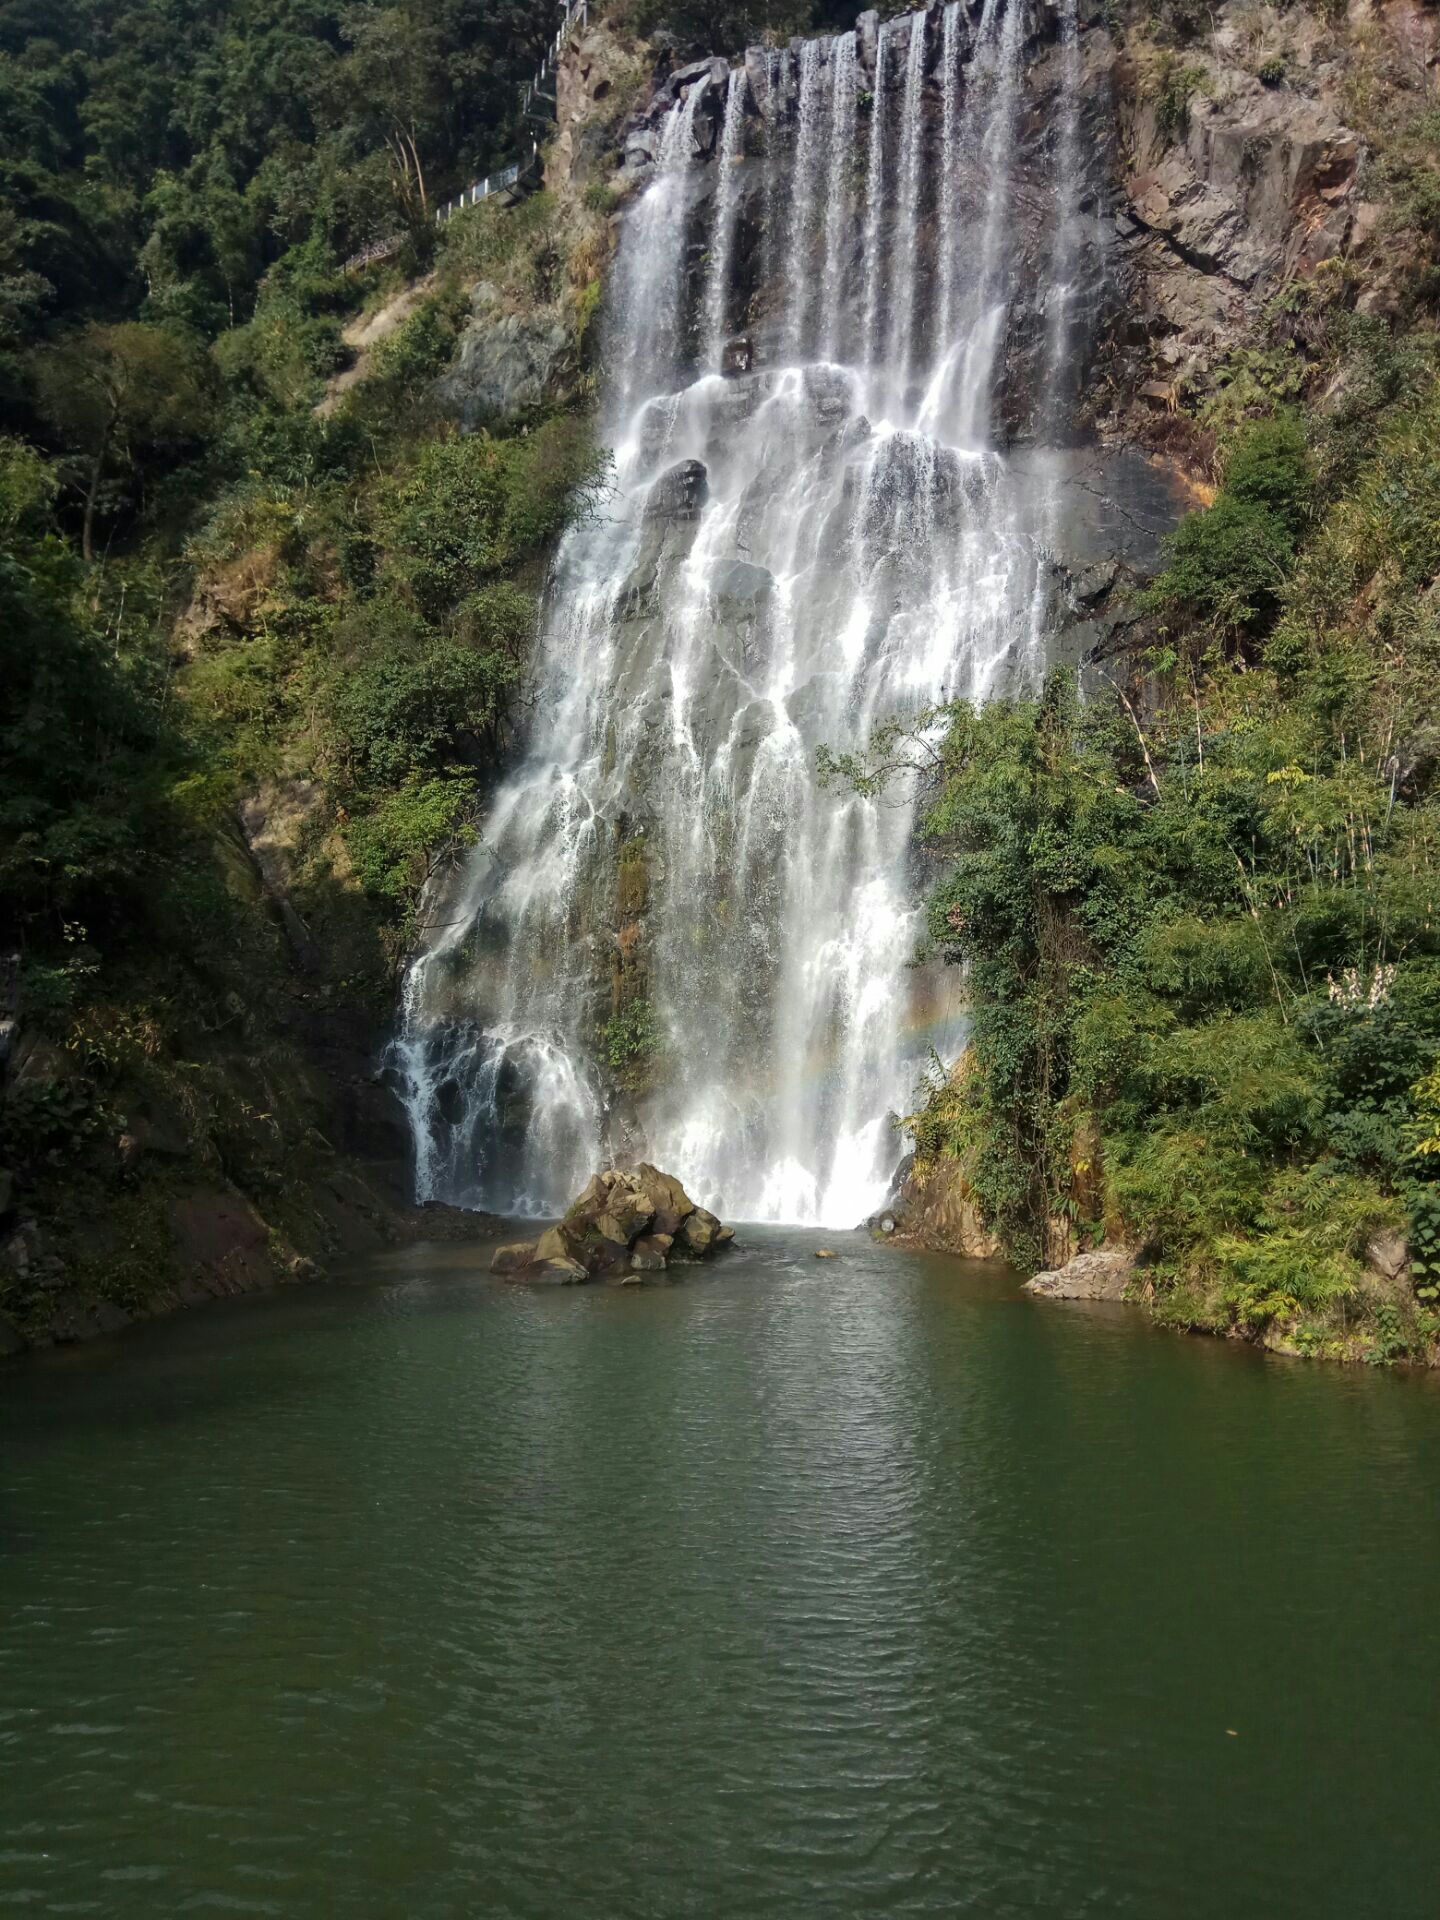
(805, 1589)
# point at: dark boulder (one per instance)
(627, 1223)
(679, 493)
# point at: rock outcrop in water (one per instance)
(626, 1227)
(1102, 1274)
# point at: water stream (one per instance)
(669, 939)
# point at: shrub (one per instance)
(1424, 1230)
(1228, 564)
(400, 714)
(601, 197)
(1281, 1276)
(1176, 83)
(473, 508)
(399, 842)
(629, 1043)
(44, 1122)
(1269, 468)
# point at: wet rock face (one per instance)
(679, 493)
(937, 1208)
(626, 1228)
(780, 172)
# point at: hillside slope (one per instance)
(240, 738)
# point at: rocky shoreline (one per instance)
(217, 1246)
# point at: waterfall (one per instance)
(670, 940)
(875, 203)
(986, 319)
(1069, 173)
(649, 292)
(717, 292)
(903, 265)
(777, 74)
(1058, 387)
(805, 188)
(837, 204)
(949, 164)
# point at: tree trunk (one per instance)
(87, 530)
(401, 161)
(419, 172)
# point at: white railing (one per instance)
(492, 183)
(577, 12)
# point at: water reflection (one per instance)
(854, 1587)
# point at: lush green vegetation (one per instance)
(1200, 906)
(629, 1042)
(226, 577)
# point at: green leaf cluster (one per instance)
(630, 1042)
(1222, 965)
(1228, 565)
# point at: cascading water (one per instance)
(809, 158)
(948, 192)
(717, 286)
(875, 224)
(670, 939)
(907, 235)
(984, 310)
(837, 211)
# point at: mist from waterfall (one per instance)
(807, 537)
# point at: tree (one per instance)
(77, 733)
(397, 64)
(114, 393)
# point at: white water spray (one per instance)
(907, 223)
(875, 204)
(805, 191)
